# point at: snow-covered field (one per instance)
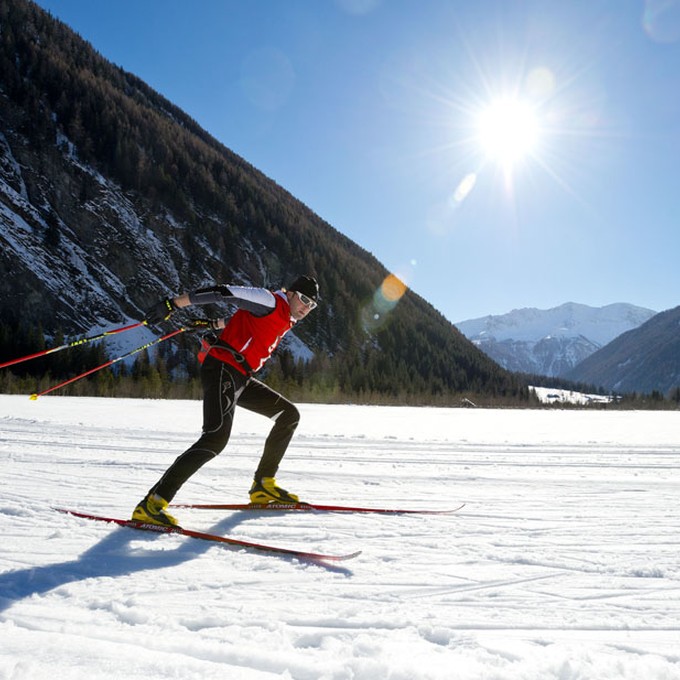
(564, 563)
(550, 395)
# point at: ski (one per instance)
(313, 507)
(235, 542)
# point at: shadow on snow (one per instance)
(113, 556)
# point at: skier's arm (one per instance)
(258, 301)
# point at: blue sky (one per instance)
(372, 112)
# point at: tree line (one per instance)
(171, 371)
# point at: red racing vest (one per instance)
(252, 337)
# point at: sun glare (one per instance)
(508, 130)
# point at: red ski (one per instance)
(312, 507)
(235, 542)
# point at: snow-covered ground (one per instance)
(550, 395)
(564, 563)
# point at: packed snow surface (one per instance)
(562, 565)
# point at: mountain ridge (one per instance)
(551, 341)
(111, 197)
(644, 359)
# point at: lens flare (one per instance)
(375, 313)
(540, 83)
(467, 184)
(392, 288)
(661, 20)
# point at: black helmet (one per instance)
(306, 285)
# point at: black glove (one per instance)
(197, 325)
(161, 311)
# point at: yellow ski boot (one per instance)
(152, 511)
(266, 490)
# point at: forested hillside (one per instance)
(643, 360)
(111, 197)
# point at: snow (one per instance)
(551, 341)
(551, 395)
(563, 564)
(75, 278)
(570, 320)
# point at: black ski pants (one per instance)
(224, 387)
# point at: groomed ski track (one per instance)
(563, 565)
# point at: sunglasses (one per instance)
(305, 300)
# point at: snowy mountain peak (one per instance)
(551, 341)
(598, 324)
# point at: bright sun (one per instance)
(508, 130)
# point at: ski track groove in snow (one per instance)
(563, 564)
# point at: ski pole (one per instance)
(74, 343)
(33, 397)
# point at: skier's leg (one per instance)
(221, 386)
(259, 398)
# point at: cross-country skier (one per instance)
(239, 347)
